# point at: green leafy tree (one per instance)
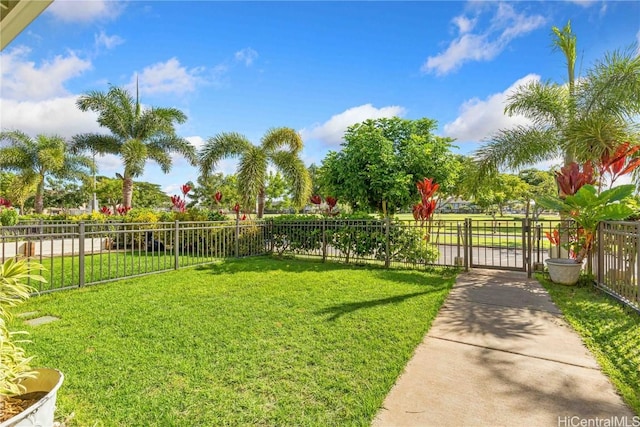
(65, 194)
(381, 160)
(137, 134)
(540, 183)
(276, 188)
(36, 158)
(149, 195)
(316, 184)
(580, 120)
(279, 147)
(202, 194)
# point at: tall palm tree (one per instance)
(579, 120)
(279, 146)
(137, 134)
(35, 158)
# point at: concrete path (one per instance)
(500, 354)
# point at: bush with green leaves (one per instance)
(14, 289)
(8, 217)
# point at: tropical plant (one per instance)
(36, 158)
(581, 201)
(279, 147)
(14, 289)
(580, 120)
(137, 134)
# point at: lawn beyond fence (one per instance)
(256, 341)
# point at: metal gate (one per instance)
(514, 244)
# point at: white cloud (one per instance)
(332, 131)
(464, 24)
(167, 77)
(108, 42)
(246, 55)
(24, 80)
(86, 10)
(505, 25)
(480, 119)
(57, 116)
(584, 3)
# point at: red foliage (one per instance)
(185, 189)
(316, 200)
(236, 208)
(106, 211)
(122, 210)
(427, 206)
(179, 203)
(619, 162)
(217, 197)
(570, 179)
(5, 202)
(554, 237)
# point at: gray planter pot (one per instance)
(563, 271)
(41, 413)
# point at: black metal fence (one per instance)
(79, 254)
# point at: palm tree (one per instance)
(136, 134)
(279, 146)
(579, 121)
(34, 159)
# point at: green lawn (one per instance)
(610, 331)
(258, 341)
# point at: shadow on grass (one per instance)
(340, 310)
(436, 278)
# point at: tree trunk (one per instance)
(127, 191)
(261, 197)
(39, 201)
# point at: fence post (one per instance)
(467, 243)
(176, 245)
(237, 246)
(324, 239)
(81, 254)
(600, 259)
(529, 242)
(271, 237)
(387, 257)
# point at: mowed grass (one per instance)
(258, 341)
(610, 330)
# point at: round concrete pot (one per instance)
(563, 271)
(40, 413)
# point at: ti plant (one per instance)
(14, 289)
(587, 208)
(424, 210)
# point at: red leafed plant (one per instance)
(180, 203)
(618, 162)
(217, 197)
(316, 200)
(5, 202)
(570, 178)
(424, 210)
(106, 211)
(122, 210)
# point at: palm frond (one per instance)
(252, 174)
(96, 143)
(295, 171)
(134, 156)
(545, 104)
(174, 144)
(221, 146)
(612, 86)
(276, 138)
(515, 148)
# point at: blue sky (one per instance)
(317, 67)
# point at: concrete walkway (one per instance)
(500, 354)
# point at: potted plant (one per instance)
(579, 200)
(27, 396)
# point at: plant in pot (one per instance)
(27, 396)
(583, 203)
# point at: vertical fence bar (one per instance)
(600, 254)
(237, 246)
(324, 239)
(467, 243)
(81, 257)
(387, 257)
(529, 253)
(176, 244)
